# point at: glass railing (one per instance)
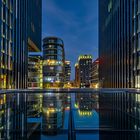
(70, 114)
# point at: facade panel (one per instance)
(6, 44)
(115, 43)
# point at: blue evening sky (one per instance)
(76, 22)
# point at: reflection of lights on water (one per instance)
(68, 97)
(76, 105)
(85, 113)
(137, 86)
(40, 96)
(49, 111)
(97, 85)
(67, 108)
(49, 93)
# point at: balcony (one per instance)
(70, 114)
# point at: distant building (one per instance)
(95, 74)
(85, 64)
(77, 75)
(35, 75)
(67, 71)
(53, 62)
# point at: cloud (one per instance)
(62, 16)
(76, 22)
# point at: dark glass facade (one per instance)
(136, 42)
(67, 71)
(20, 44)
(95, 74)
(115, 43)
(34, 25)
(77, 75)
(53, 62)
(85, 64)
(27, 37)
(120, 113)
(6, 44)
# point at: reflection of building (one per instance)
(53, 62)
(84, 103)
(120, 112)
(34, 105)
(77, 75)
(6, 47)
(85, 64)
(2, 116)
(67, 71)
(119, 43)
(35, 78)
(95, 74)
(53, 108)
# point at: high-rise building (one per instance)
(119, 43)
(14, 34)
(85, 64)
(136, 42)
(27, 37)
(95, 74)
(67, 71)
(35, 75)
(53, 62)
(7, 44)
(77, 75)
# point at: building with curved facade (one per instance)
(53, 62)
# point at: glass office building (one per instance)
(85, 64)
(20, 44)
(119, 43)
(35, 75)
(77, 75)
(67, 71)
(119, 55)
(53, 62)
(136, 42)
(95, 74)
(6, 46)
(27, 37)
(34, 25)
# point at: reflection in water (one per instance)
(73, 116)
(85, 116)
(119, 116)
(85, 103)
(52, 112)
(2, 115)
